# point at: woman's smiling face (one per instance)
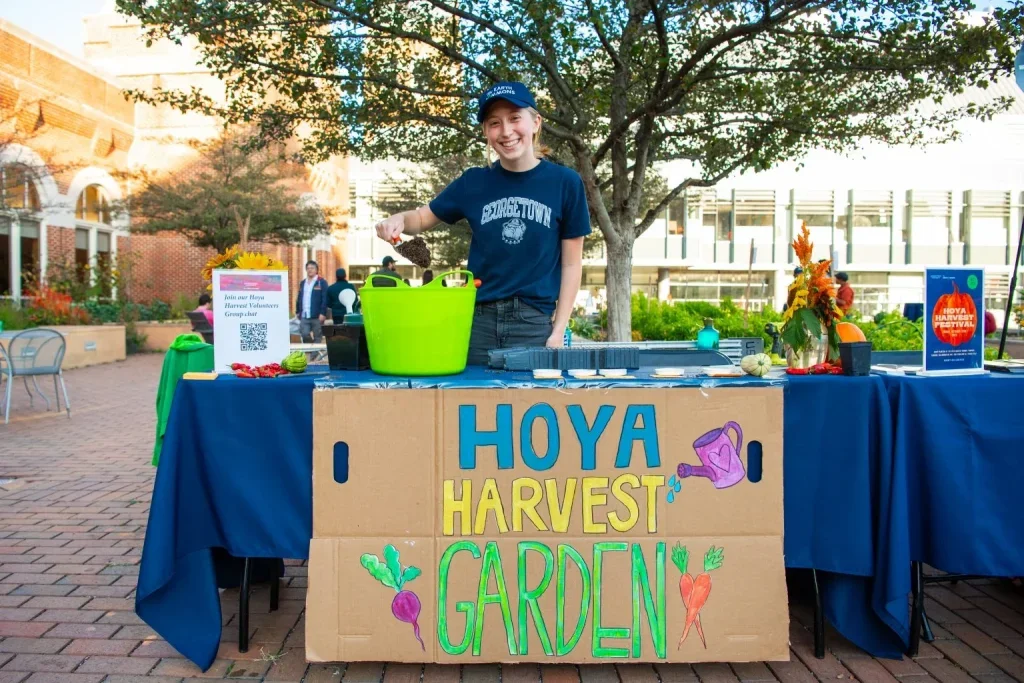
(509, 131)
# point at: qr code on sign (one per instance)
(253, 337)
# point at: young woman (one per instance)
(528, 218)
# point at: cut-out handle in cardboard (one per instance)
(341, 462)
(754, 464)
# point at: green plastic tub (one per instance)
(418, 331)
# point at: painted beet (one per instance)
(406, 605)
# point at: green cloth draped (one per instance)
(188, 353)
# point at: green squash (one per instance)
(757, 364)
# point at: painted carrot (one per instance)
(686, 589)
(695, 591)
(681, 559)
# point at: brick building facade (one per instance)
(67, 132)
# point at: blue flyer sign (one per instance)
(954, 329)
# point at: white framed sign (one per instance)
(250, 317)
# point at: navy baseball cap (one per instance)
(510, 91)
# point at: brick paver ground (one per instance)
(71, 529)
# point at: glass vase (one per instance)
(807, 356)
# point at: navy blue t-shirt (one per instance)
(519, 220)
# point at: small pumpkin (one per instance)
(756, 364)
(848, 332)
(954, 318)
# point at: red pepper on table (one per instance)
(796, 371)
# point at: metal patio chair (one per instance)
(34, 353)
(200, 325)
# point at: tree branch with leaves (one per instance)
(232, 192)
(623, 85)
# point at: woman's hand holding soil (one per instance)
(391, 227)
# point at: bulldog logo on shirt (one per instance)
(512, 232)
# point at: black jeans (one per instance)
(506, 324)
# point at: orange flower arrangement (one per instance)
(814, 304)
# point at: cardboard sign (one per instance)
(505, 525)
(954, 325)
(250, 317)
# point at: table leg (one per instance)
(819, 619)
(243, 608)
(275, 592)
(926, 626)
(917, 588)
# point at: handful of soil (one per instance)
(415, 250)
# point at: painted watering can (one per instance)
(720, 456)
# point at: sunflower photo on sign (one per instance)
(235, 258)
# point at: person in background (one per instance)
(341, 297)
(311, 304)
(388, 267)
(844, 297)
(428, 276)
(206, 307)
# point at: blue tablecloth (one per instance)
(236, 473)
(838, 455)
(957, 453)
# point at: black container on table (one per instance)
(346, 347)
(855, 357)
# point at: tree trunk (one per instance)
(618, 277)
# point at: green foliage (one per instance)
(992, 352)
(389, 572)
(725, 86)
(118, 311)
(410, 574)
(680, 557)
(229, 185)
(681, 320)
(892, 332)
(90, 282)
(583, 326)
(713, 559)
(12, 317)
(182, 304)
(394, 566)
(378, 570)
